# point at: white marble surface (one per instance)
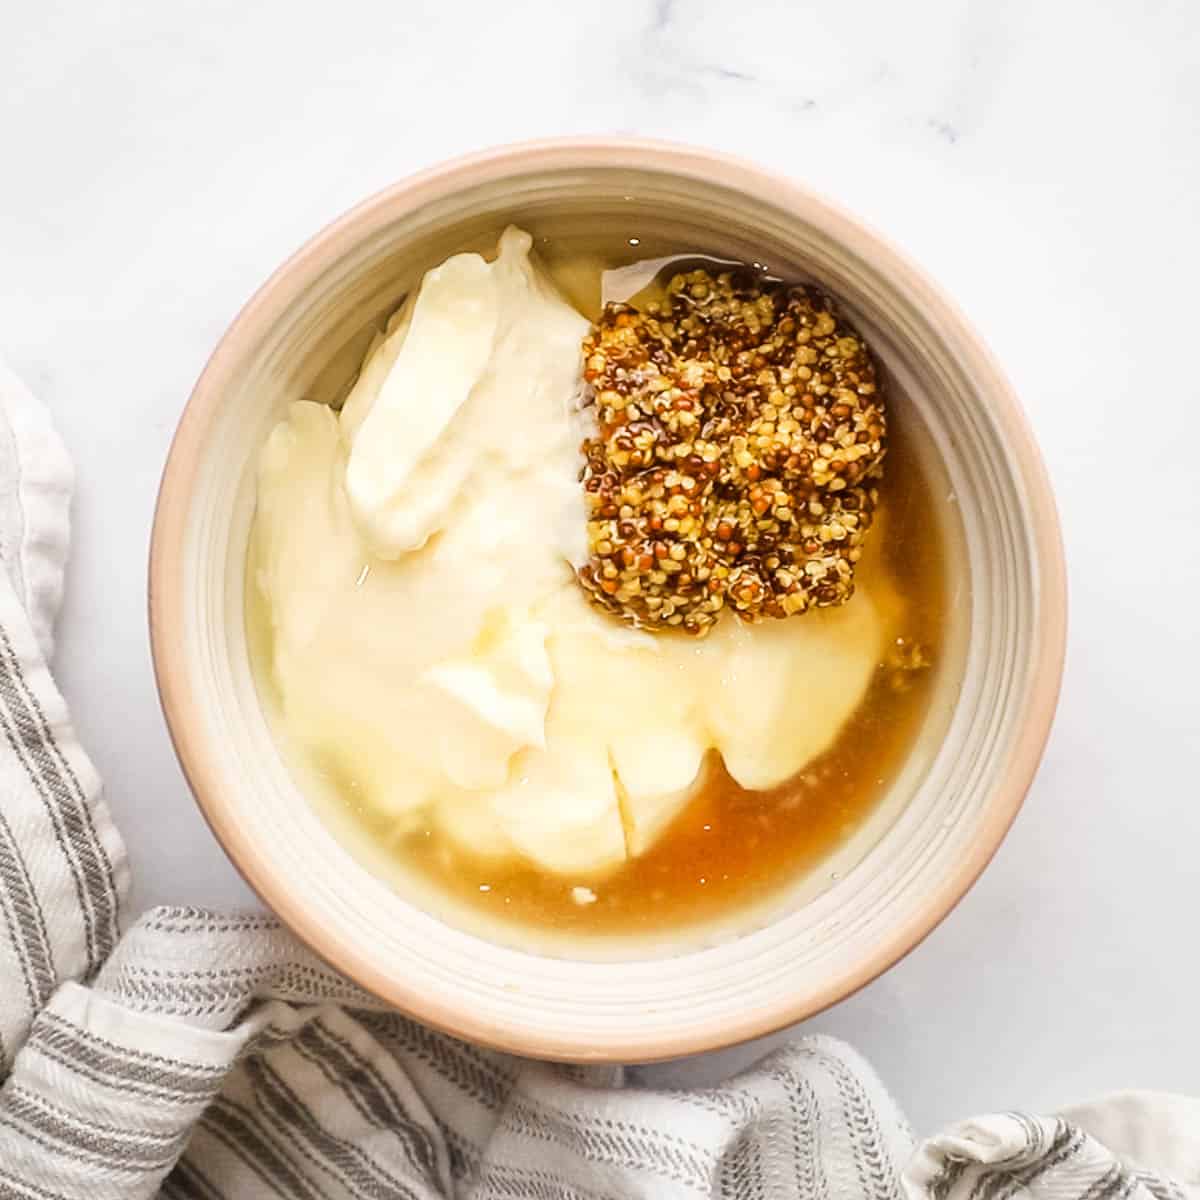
(1041, 159)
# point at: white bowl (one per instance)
(943, 818)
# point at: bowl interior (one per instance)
(304, 336)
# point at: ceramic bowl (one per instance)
(302, 334)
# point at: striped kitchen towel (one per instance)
(199, 1055)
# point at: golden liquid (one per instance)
(730, 849)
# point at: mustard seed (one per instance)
(739, 433)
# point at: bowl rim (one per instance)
(166, 592)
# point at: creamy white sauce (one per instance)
(429, 644)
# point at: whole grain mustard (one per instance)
(740, 431)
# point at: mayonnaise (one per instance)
(430, 647)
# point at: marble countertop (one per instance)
(1041, 160)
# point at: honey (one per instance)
(730, 850)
